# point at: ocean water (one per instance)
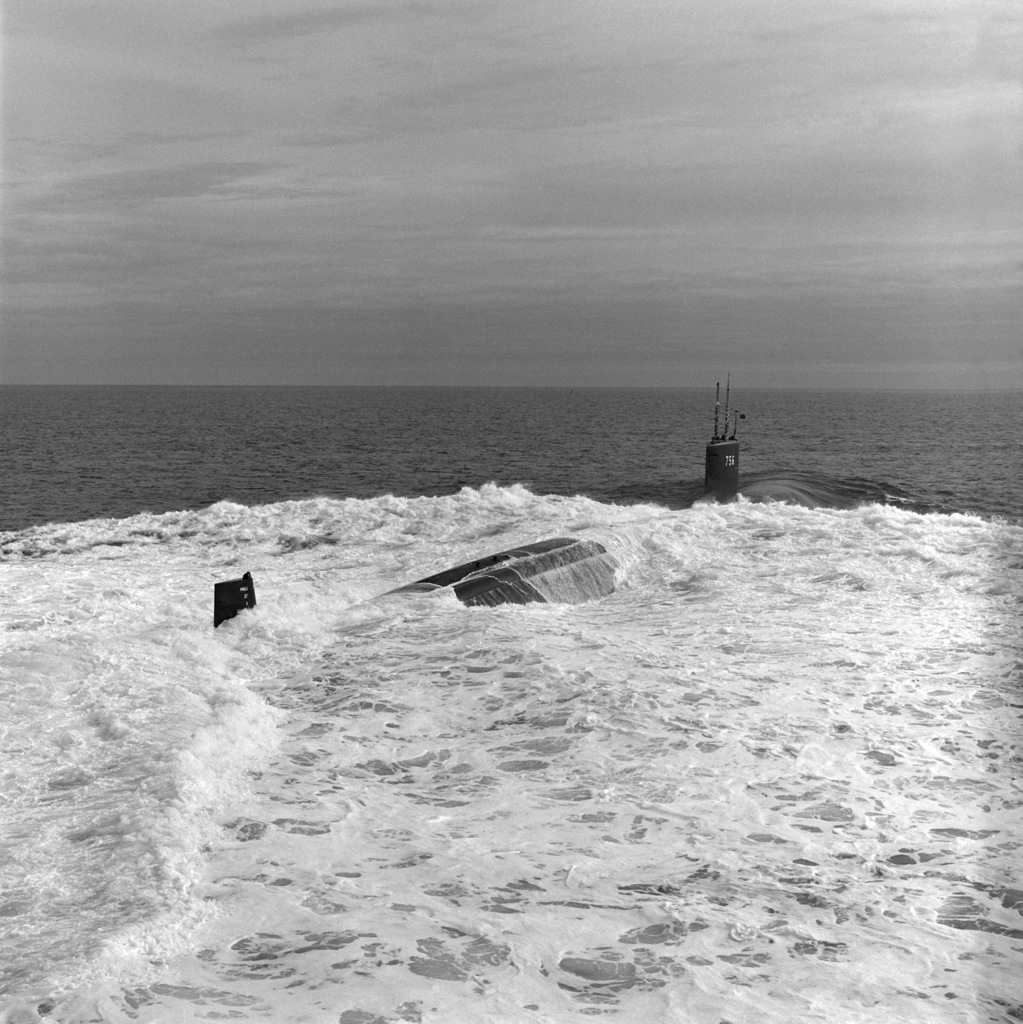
(774, 776)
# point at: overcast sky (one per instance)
(581, 192)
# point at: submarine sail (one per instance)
(721, 469)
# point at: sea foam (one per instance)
(774, 773)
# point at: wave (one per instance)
(762, 641)
(794, 487)
(817, 490)
(226, 531)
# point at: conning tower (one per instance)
(721, 476)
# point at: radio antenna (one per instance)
(717, 405)
(728, 388)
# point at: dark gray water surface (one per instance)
(73, 453)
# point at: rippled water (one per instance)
(82, 453)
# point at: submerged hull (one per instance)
(561, 569)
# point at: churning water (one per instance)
(774, 776)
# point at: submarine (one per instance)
(561, 569)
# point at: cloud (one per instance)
(576, 182)
(150, 184)
(316, 20)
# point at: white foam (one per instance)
(771, 773)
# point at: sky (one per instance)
(804, 193)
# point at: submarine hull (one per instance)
(560, 569)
